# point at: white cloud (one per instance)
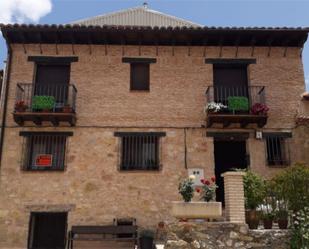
(12, 11)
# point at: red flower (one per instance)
(198, 190)
(202, 181)
(213, 179)
(206, 182)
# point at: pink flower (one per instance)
(213, 179)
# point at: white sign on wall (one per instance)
(199, 175)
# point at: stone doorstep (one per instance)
(158, 246)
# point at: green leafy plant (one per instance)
(269, 205)
(292, 186)
(41, 102)
(254, 188)
(236, 103)
(186, 188)
(282, 214)
(300, 229)
(147, 233)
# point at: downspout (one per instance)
(6, 84)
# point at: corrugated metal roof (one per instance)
(138, 16)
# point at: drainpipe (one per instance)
(6, 84)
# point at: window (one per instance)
(44, 150)
(277, 149)
(140, 151)
(139, 77)
(139, 73)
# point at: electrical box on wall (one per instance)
(258, 135)
(198, 173)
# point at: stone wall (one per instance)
(92, 189)
(185, 235)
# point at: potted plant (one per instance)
(238, 104)
(214, 107)
(43, 103)
(186, 188)
(67, 108)
(282, 217)
(197, 209)
(146, 238)
(267, 214)
(254, 195)
(259, 109)
(208, 190)
(20, 106)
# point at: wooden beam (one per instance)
(37, 121)
(123, 43)
(40, 44)
(204, 44)
(253, 41)
(173, 47)
(56, 42)
(54, 121)
(269, 42)
(237, 46)
(89, 43)
(23, 41)
(189, 48)
(73, 42)
(221, 44)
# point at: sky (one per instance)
(292, 13)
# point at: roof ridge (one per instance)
(135, 9)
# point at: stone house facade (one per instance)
(122, 148)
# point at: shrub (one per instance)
(43, 102)
(300, 229)
(254, 188)
(292, 185)
(186, 188)
(238, 103)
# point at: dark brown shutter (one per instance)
(140, 76)
(230, 75)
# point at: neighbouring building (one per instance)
(102, 117)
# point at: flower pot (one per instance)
(20, 109)
(145, 243)
(67, 109)
(46, 110)
(283, 223)
(252, 219)
(268, 223)
(196, 210)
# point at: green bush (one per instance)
(43, 102)
(254, 188)
(238, 103)
(293, 186)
